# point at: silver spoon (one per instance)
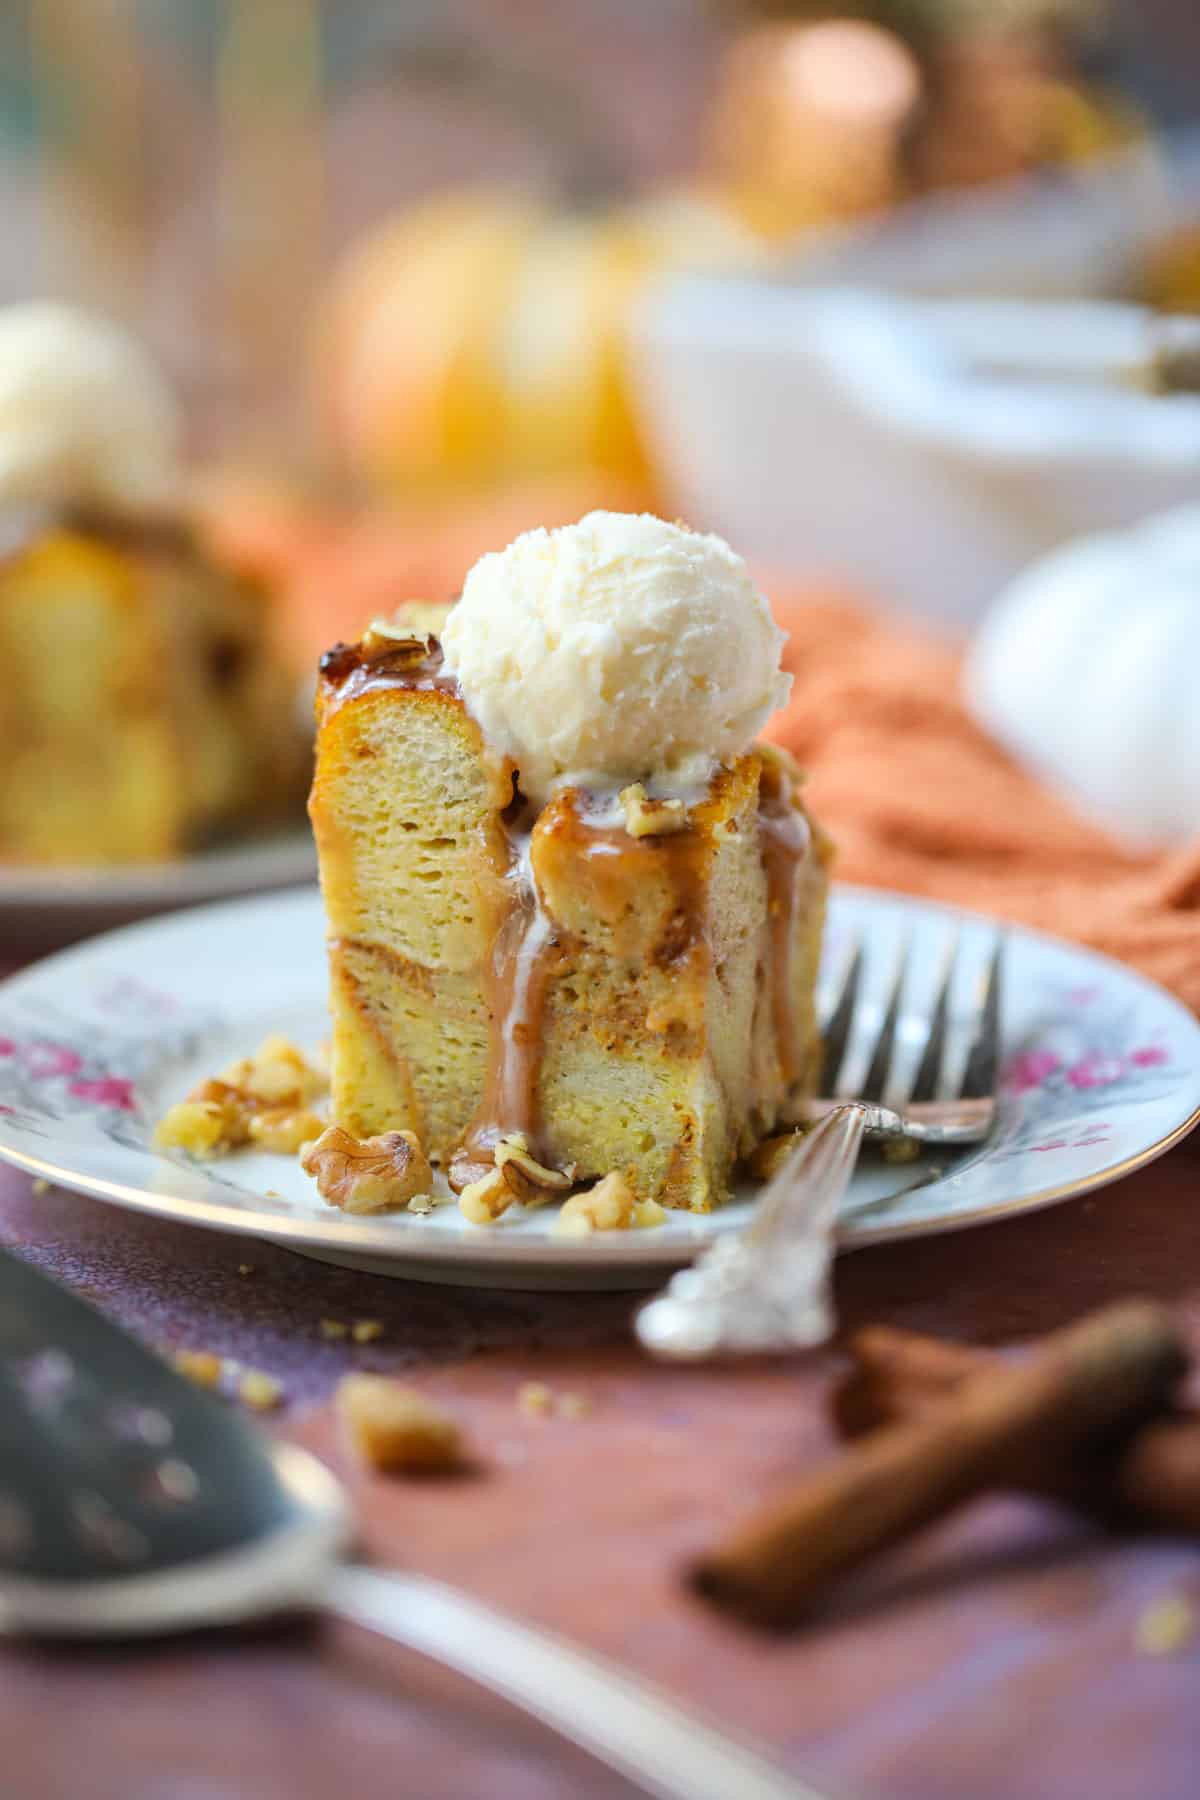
(131, 1502)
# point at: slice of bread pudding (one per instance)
(624, 981)
(143, 710)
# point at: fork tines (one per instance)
(844, 1031)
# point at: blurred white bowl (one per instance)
(921, 450)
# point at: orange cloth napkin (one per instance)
(917, 797)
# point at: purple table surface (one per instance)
(995, 1657)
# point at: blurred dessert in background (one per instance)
(144, 711)
(574, 911)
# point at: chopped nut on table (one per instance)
(368, 1175)
(538, 1401)
(393, 1427)
(204, 1367)
(258, 1389)
(1166, 1627)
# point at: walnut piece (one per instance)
(263, 1099)
(278, 1074)
(645, 817)
(204, 1127)
(487, 1199)
(399, 639)
(395, 1427)
(284, 1128)
(609, 1206)
(368, 1175)
(466, 1169)
(532, 1182)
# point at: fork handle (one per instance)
(625, 1724)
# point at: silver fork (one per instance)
(766, 1288)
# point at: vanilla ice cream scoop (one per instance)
(614, 650)
(85, 417)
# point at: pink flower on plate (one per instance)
(1030, 1070)
(1052, 1144)
(1094, 1070)
(109, 1090)
(10, 1112)
(1084, 996)
(1150, 1056)
(7, 1047)
(47, 1060)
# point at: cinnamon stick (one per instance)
(1096, 1380)
(1153, 1480)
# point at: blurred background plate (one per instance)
(40, 908)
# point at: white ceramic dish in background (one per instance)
(1103, 1073)
(41, 906)
(877, 441)
(843, 420)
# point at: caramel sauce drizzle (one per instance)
(604, 866)
(516, 974)
(785, 840)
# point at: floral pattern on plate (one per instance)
(1101, 1071)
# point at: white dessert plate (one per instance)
(51, 905)
(1102, 1073)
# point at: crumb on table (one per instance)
(204, 1367)
(393, 1427)
(1166, 1626)
(258, 1389)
